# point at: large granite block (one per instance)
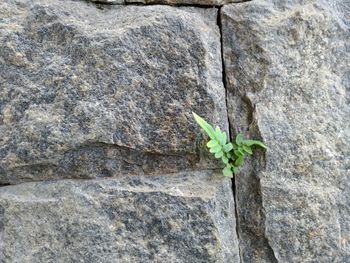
(170, 218)
(170, 2)
(88, 92)
(287, 74)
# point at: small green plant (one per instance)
(232, 154)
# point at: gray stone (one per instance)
(176, 218)
(114, 2)
(170, 2)
(287, 74)
(93, 92)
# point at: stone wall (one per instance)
(100, 158)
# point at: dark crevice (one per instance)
(270, 252)
(223, 72)
(230, 133)
(254, 188)
(257, 164)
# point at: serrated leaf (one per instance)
(254, 142)
(239, 139)
(227, 171)
(218, 155)
(215, 149)
(247, 149)
(239, 161)
(224, 159)
(204, 125)
(228, 147)
(212, 143)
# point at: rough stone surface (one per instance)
(170, 2)
(287, 73)
(92, 92)
(181, 218)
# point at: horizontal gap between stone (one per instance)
(104, 4)
(165, 175)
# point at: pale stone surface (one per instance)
(171, 2)
(173, 218)
(287, 73)
(89, 92)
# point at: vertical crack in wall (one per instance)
(250, 228)
(230, 134)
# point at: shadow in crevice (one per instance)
(254, 244)
(99, 160)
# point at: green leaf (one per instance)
(218, 155)
(228, 147)
(239, 138)
(238, 153)
(240, 149)
(212, 143)
(254, 142)
(204, 125)
(247, 149)
(223, 138)
(235, 169)
(216, 149)
(239, 161)
(227, 171)
(217, 133)
(228, 155)
(224, 159)
(220, 136)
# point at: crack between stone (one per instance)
(272, 254)
(102, 4)
(107, 5)
(230, 133)
(254, 129)
(121, 175)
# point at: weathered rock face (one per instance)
(182, 218)
(88, 91)
(287, 71)
(91, 93)
(92, 90)
(170, 2)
